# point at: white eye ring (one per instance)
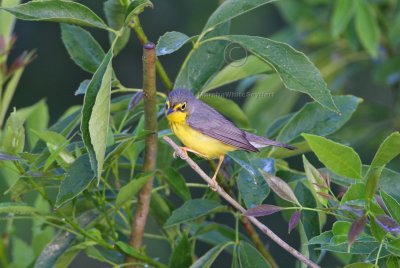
(183, 106)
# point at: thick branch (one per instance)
(150, 150)
(237, 206)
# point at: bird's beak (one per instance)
(170, 110)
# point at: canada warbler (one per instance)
(205, 132)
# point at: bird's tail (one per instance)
(261, 142)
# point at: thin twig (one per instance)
(236, 205)
(150, 151)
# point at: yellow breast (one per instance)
(197, 141)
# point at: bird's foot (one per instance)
(214, 185)
(182, 154)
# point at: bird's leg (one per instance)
(214, 178)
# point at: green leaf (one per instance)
(207, 259)
(177, 182)
(22, 253)
(360, 264)
(82, 47)
(18, 209)
(341, 159)
(250, 257)
(342, 14)
(230, 9)
(355, 192)
(62, 242)
(317, 183)
(389, 149)
(182, 255)
(281, 188)
(367, 27)
(95, 114)
(170, 42)
(392, 205)
(394, 247)
(13, 137)
(57, 11)
(78, 178)
(252, 186)
(128, 191)
(237, 70)
(228, 108)
(371, 186)
(7, 20)
(135, 8)
(195, 70)
(310, 221)
(115, 11)
(192, 209)
(323, 238)
(37, 120)
(313, 119)
(393, 262)
(137, 254)
(296, 71)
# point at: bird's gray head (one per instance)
(180, 100)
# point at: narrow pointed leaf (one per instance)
(207, 259)
(317, 183)
(262, 210)
(367, 27)
(372, 183)
(191, 210)
(95, 114)
(280, 187)
(342, 15)
(389, 149)
(129, 191)
(82, 47)
(170, 42)
(294, 221)
(57, 11)
(388, 224)
(356, 229)
(341, 159)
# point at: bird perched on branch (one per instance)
(206, 133)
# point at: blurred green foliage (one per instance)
(75, 183)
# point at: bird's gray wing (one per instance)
(209, 122)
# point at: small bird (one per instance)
(206, 133)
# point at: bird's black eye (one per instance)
(183, 106)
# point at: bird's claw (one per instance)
(182, 154)
(213, 186)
